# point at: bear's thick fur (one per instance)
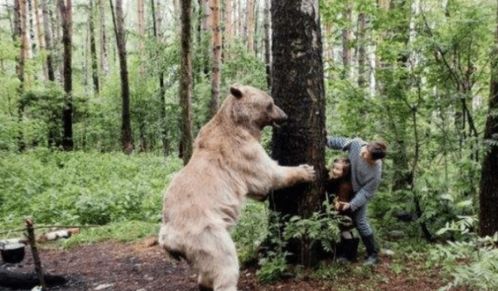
(228, 164)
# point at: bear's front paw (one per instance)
(309, 174)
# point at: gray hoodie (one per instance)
(364, 176)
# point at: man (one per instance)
(366, 170)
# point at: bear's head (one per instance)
(253, 108)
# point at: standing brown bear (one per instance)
(228, 164)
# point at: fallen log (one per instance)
(20, 280)
(54, 235)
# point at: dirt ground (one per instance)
(138, 267)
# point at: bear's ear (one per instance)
(236, 91)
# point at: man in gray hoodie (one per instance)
(366, 171)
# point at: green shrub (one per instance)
(82, 188)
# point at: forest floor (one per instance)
(137, 266)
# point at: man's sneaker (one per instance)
(371, 260)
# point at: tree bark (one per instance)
(185, 89)
(347, 38)
(118, 21)
(216, 57)
(20, 29)
(267, 41)
(362, 55)
(488, 196)
(298, 88)
(156, 22)
(228, 22)
(250, 25)
(104, 65)
(93, 49)
(141, 32)
(39, 34)
(47, 33)
(67, 112)
(30, 19)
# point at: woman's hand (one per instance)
(344, 206)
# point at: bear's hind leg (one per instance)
(203, 283)
(217, 261)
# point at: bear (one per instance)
(229, 164)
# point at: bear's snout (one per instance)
(279, 115)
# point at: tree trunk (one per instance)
(141, 33)
(48, 41)
(362, 55)
(488, 196)
(118, 21)
(30, 19)
(39, 34)
(216, 60)
(228, 22)
(250, 25)
(236, 19)
(104, 65)
(347, 38)
(241, 21)
(67, 112)
(185, 89)
(297, 67)
(20, 29)
(156, 22)
(266, 16)
(206, 21)
(56, 19)
(93, 49)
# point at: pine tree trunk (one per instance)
(156, 23)
(266, 16)
(362, 55)
(298, 88)
(236, 19)
(250, 25)
(30, 19)
(118, 21)
(57, 37)
(104, 64)
(347, 38)
(39, 34)
(228, 22)
(20, 34)
(241, 21)
(216, 57)
(47, 33)
(141, 32)
(67, 112)
(488, 196)
(185, 89)
(93, 49)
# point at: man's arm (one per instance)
(338, 142)
(365, 193)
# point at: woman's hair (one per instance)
(377, 149)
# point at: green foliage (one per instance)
(471, 261)
(124, 231)
(320, 227)
(273, 264)
(82, 188)
(272, 267)
(251, 230)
